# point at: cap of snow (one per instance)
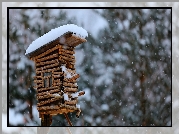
(54, 34)
(68, 74)
(75, 95)
(65, 97)
(56, 94)
(77, 106)
(64, 69)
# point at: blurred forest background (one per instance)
(124, 67)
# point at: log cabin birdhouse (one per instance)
(56, 78)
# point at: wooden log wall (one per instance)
(52, 83)
(66, 56)
(47, 79)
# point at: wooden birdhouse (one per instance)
(56, 77)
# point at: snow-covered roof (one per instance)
(54, 34)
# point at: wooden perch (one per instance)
(81, 93)
(78, 113)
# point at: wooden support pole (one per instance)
(69, 122)
(68, 130)
(46, 120)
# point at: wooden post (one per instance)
(69, 122)
(46, 120)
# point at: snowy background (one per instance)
(100, 69)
